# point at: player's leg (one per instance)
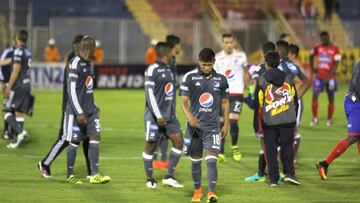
(221, 156)
(85, 145)
(287, 154)
(151, 138)
(73, 136)
(211, 144)
(174, 131)
(317, 88)
(6, 129)
(235, 110)
(195, 149)
(163, 149)
(260, 175)
(271, 144)
(331, 88)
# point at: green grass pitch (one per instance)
(123, 143)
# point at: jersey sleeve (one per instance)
(314, 51)
(225, 89)
(185, 86)
(72, 80)
(18, 56)
(337, 56)
(149, 91)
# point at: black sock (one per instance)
(234, 131)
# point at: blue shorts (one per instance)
(352, 110)
(330, 86)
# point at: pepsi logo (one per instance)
(169, 89)
(229, 74)
(89, 82)
(206, 100)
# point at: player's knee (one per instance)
(7, 114)
(234, 117)
(94, 137)
(150, 147)
(196, 157)
(352, 139)
(74, 144)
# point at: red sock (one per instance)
(331, 108)
(337, 151)
(315, 108)
(358, 145)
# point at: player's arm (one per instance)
(311, 58)
(15, 72)
(246, 76)
(72, 78)
(5, 62)
(185, 107)
(150, 98)
(302, 83)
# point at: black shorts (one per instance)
(76, 133)
(198, 139)
(236, 104)
(19, 99)
(153, 131)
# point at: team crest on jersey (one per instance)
(206, 100)
(229, 74)
(169, 89)
(277, 98)
(89, 83)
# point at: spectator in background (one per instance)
(328, 9)
(51, 52)
(99, 53)
(150, 55)
(308, 13)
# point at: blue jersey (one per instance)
(5, 71)
(291, 68)
(22, 56)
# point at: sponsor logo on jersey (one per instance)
(89, 83)
(169, 89)
(229, 74)
(198, 84)
(277, 98)
(206, 100)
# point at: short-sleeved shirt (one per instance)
(327, 56)
(22, 56)
(206, 94)
(231, 66)
(290, 68)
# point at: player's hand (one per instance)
(224, 131)
(193, 121)
(161, 122)
(7, 92)
(81, 119)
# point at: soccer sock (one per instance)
(10, 119)
(331, 107)
(94, 156)
(20, 121)
(71, 155)
(297, 141)
(147, 158)
(163, 149)
(196, 172)
(315, 108)
(173, 161)
(261, 164)
(337, 151)
(234, 131)
(211, 163)
(86, 155)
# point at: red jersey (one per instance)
(327, 56)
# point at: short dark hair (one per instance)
(294, 49)
(162, 48)
(227, 35)
(268, 46)
(206, 55)
(324, 33)
(283, 35)
(284, 45)
(272, 59)
(78, 39)
(87, 43)
(22, 35)
(172, 40)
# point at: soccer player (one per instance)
(160, 115)
(207, 92)
(277, 106)
(82, 114)
(255, 72)
(293, 56)
(232, 64)
(18, 89)
(5, 72)
(328, 58)
(61, 143)
(352, 110)
(174, 42)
